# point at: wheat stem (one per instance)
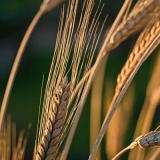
(132, 145)
(116, 100)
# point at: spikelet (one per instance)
(48, 146)
(141, 46)
(140, 16)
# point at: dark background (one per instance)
(15, 17)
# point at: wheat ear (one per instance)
(141, 14)
(136, 55)
(153, 102)
(48, 146)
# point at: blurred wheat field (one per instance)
(81, 39)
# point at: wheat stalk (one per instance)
(115, 136)
(145, 117)
(138, 60)
(153, 102)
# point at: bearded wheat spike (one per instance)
(52, 129)
(141, 14)
(47, 148)
(137, 53)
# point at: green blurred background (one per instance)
(15, 17)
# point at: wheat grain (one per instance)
(47, 148)
(151, 139)
(141, 14)
(136, 54)
(137, 19)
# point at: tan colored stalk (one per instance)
(143, 43)
(152, 86)
(96, 106)
(115, 136)
(131, 146)
(46, 5)
(155, 155)
(153, 102)
(144, 47)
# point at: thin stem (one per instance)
(115, 102)
(16, 65)
(132, 145)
